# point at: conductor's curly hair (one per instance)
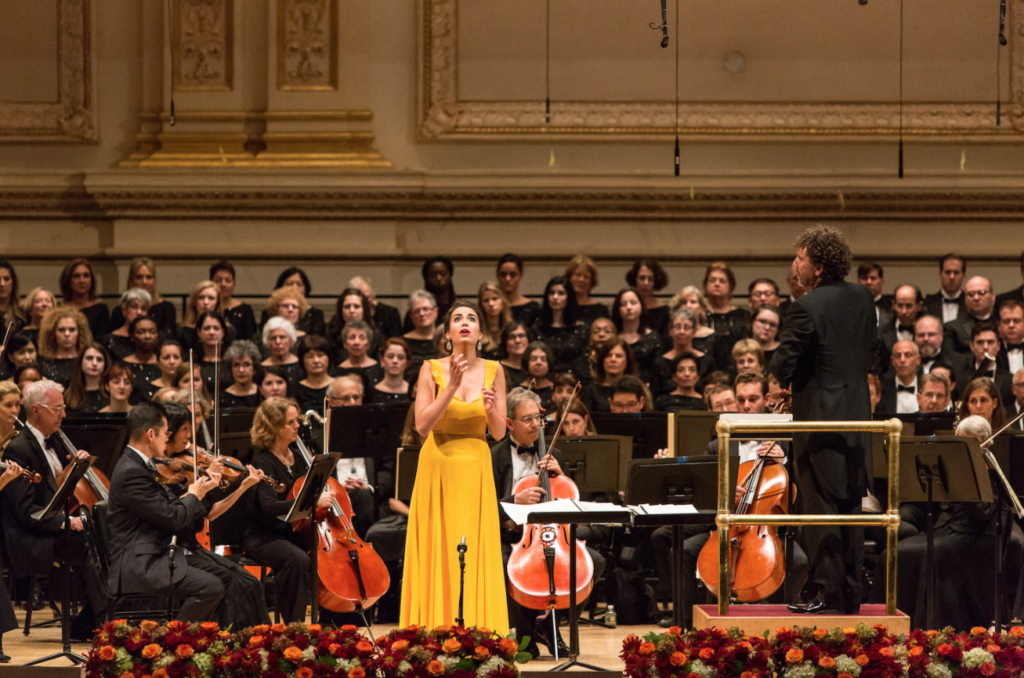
(827, 247)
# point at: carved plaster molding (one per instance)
(203, 45)
(73, 117)
(307, 44)
(443, 116)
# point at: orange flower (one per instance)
(944, 649)
(745, 645)
(879, 627)
(1016, 631)
(435, 668)
(174, 625)
(481, 652)
(783, 629)
(932, 634)
(706, 653)
(988, 669)
(260, 630)
(151, 651)
(978, 631)
(826, 662)
(678, 659)
(862, 660)
(160, 673)
(916, 651)
(277, 628)
(209, 626)
(748, 674)
(675, 630)
(348, 627)
(483, 629)
(107, 653)
(850, 632)
(293, 654)
(887, 652)
(444, 629)
(845, 675)
(333, 647)
(127, 674)
(509, 646)
(149, 625)
(364, 646)
(304, 672)
(451, 646)
(646, 648)
(794, 655)
(819, 634)
(993, 648)
(314, 628)
(357, 672)
(184, 651)
(400, 645)
(256, 641)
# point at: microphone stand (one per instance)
(170, 589)
(462, 579)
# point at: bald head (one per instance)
(905, 359)
(980, 298)
(907, 304)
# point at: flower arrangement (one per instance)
(451, 651)
(975, 654)
(179, 650)
(705, 653)
(861, 652)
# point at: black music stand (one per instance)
(304, 507)
(405, 473)
(593, 463)
(693, 431)
(61, 502)
(649, 430)
(681, 480)
(365, 430)
(948, 469)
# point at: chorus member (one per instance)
(908, 302)
(19, 352)
(704, 337)
(559, 326)
(900, 388)
(948, 303)
(78, 288)
(315, 355)
(242, 356)
(87, 393)
(935, 394)
(186, 381)
(1011, 335)
(765, 326)
(564, 384)
(10, 301)
(1013, 409)
(458, 399)
(647, 277)
(719, 285)
(168, 359)
(582, 273)
(601, 330)
(762, 291)
(358, 338)
(497, 314)
(143, 359)
(437, 280)
(117, 381)
(681, 330)
(279, 337)
(928, 337)
(134, 302)
(1017, 293)
(708, 386)
(212, 338)
(238, 314)
(142, 275)
(984, 341)
(872, 276)
(312, 320)
(36, 305)
(288, 303)
(685, 375)
(386, 318)
(982, 398)
(630, 396)
(144, 518)
(509, 275)
(577, 420)
(980, 302)
(205, 298)
(62, 338)
(613, 359)
(269, 539)
(395, 359)
(10, 406)
(423, 312)
(273, 382)
(514, 340)
(539, 359)
(630, 318)
(825, 348)
(352, 305)
(747, 356)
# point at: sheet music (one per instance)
(520, 512)
(663, 509)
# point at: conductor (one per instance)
(823, 359)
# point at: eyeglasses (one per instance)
(517, 337)
(766, 323)
(57, 408)
(538, 418)
(350, 399)
(977, 293)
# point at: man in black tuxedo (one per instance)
(144, 518)
(1017, 293)
(900, 386)
(907, 304)
(1011, 335)
(980, 304)
(948, 303)
(823, 357)
(33, 545)
(387, 318)
(928, 337)
(1014, 407)
(871, 275)
(984, 339)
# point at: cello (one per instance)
(351, 574)
(538, 568)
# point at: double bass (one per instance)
(538, 568)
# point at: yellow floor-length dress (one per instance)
(454, 496)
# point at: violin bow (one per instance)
(7, 335)
(565, 413)
(192, 392)
(216, 401)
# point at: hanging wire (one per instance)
(677, 88)
(170, 47)
(547, 66)
(901, 90)
(999, 55)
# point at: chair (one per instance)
(228, 531)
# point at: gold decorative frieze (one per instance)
(203, 44)
(307, 45)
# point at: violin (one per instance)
(538, 569)
(233, 471)
(352, 575)
(31, 476)
(757, 565)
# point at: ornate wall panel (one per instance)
(73, 116)
(946, 115)
(307, 45)
(203, 44)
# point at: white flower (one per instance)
(702, 669)
(488, 666)
(309, 653)
(976, 657)
(938, 670)
(846, 664)
(449, 662)
(404, 667)
(804, 669)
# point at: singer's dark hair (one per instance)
(143, 417)
(983, 326)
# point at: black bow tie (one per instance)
(900, 388)
(1015, 347)
(532, 449)
(905, 328)
(947, 300)
(48, 443)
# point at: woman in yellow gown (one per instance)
(457, 399)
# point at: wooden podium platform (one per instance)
(756, 619)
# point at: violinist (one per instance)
(514, 458)
(268, 538)
(10, 404)
(145, 517)
(8, 621)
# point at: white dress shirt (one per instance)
(523, 463)
(950, 306)
(1015, 358)
(906, 402)
(353, 468)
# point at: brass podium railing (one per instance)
(725, 519)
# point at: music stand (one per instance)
(594, 464)
(693, 431)
(61, 502)
(405, 472)
(304, 507)
(365, 430)
(649, 430)
(948, 469)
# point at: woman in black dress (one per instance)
(238, 314)
(168, 359)
(134, 302)
(766, 327)
(315, 356)
(85, 394)
(558, 325)
(118, 381)
(62, 339)
(312, 319)
(205, 298)
(423, 312)
(289, 303)
(395, 360)
(357, 338)
(185, 383)
(10, 301)
(539, 359)
(614, 359)
(704, 336)
(681, 331)
(515, 337)
(352, 305)
(497, 314)
(145, 338)
(142, 275)
(269, 539)
(20, 352)
(212, 339)
(582, 273)
(273, 382)
(510, 275)
(630, 318)
(726, 319)
(242, 356)
(685, 374)
(36, 305)
(647, 277)
(278, 338)
(78, 287)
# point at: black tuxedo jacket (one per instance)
(143, 518)
(1011, 412)
(824, 354)
(957, 335)
(1003, 358)
(888, 403)
(933, 304)
(501, 465)
(29, 541)
(1017, 294)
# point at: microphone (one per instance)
(174, 545)
(462, 545)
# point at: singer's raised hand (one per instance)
(489, 398)
(458, 367)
